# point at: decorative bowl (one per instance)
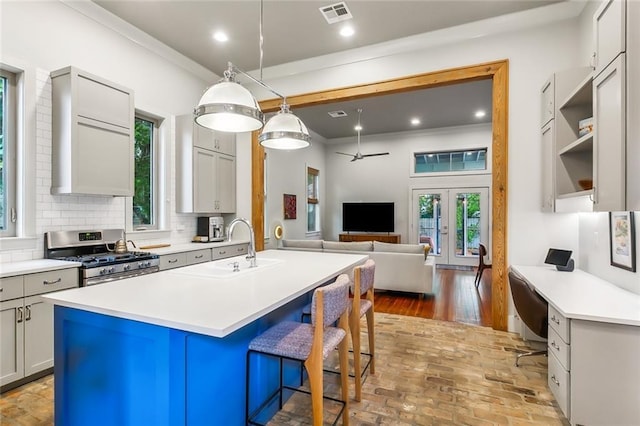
(585, 184)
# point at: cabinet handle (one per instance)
(554, 319)
(199, 257)
(555, 346)
(173, 261)
(47, 282)
(554, 380)
(1, 289)
(20, 315)
(240, 249)
(28, 310)
(222, 252)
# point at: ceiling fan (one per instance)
(358, 155)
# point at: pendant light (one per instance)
(229, 107)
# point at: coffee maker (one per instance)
(211, 227)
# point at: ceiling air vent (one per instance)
(336, 12)
(337, 114)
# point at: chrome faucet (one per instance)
(251, 257)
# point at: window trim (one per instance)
(161, 133)
(11, 153)
(311, 200)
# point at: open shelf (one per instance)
(584, 144)
(581, 95)
(575, 194)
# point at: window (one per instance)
(313, 204)
(450, 161)
(7, 154)
(144, 214)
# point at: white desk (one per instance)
(594, 345)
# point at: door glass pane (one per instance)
(429, 222)
(467, 223)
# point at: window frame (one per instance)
(159, 171)
(313, 198)
(10, 146)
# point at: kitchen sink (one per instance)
(226, 268)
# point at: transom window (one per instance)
(450, 161)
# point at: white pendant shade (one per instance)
(228, 107)
(285, 131)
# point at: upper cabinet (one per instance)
(616, 106)
(206, 169)
(93, 135)
(609, 30)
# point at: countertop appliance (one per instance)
(94, 249)
(211, 227)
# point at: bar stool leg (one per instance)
(372, 343)
(354, 327)
(343, 349)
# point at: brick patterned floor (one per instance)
(427, 373)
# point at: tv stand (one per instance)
(383, 238)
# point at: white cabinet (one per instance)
(609, 137)
(609, 30)
(93, 135)
(567, 157)
(198, 256)
(206, 169)
(26, 322)
(559, 350)
(170, 261)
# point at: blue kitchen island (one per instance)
(170, 348)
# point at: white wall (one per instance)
(287, 174)
(39, 37)
(388, 178)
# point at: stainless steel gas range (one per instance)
(95, 250)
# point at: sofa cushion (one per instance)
(303, 244)
(356, 246)
(398, 248)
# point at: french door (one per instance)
(454, 221)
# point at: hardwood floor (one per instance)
(455, 298)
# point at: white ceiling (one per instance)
(296, 30)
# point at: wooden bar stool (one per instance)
(363, 279)
(309, 344)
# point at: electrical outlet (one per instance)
(595, 239)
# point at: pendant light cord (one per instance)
(261, 36)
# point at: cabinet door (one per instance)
(548, 104)
(548, 153)
(214, 141)
(103, 102)
(204, 180)
(609, 138)
(11, 341)
(226, 183)
(38, 335)
(103, 160)
(609, 30)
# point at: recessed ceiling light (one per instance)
(220, 36)
(358, 128)
(347, 31)
(480, 113)
(415, 121)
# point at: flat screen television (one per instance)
(368, 217)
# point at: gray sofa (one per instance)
(399, 267)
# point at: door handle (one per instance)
(28, 312)
(20, 315)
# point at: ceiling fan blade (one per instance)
(374, 155)
(344, 153)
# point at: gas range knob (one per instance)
(126, 267)
(112, 270)
(103, 271)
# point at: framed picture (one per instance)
(289, 202)
(622, 244)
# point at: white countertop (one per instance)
(33, 266)
(579, 295)
(188, 299)
(184, 247)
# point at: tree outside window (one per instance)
(143, 198)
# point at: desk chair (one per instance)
(532, 309)
(481, 265)
(309, 344)
(362, 289)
